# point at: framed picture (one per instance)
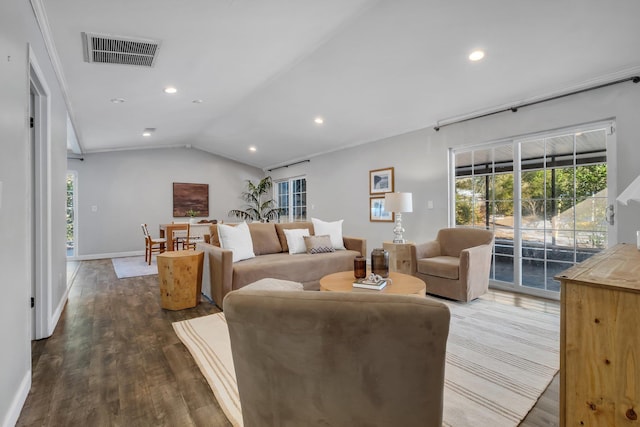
(188, 197)
(377, 212)
(381, 181)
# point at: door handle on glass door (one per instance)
(610, 213)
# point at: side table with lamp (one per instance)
(399, 249)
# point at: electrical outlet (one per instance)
(94, 208)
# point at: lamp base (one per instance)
(398, 230)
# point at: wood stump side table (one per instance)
(399, 256)
(180, 275)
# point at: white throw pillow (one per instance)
(237, 239)
(333, 229)
(295, 240)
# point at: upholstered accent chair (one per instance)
(457, 264)
(306, 358)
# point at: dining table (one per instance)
(167, 231)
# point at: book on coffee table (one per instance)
(370, 284)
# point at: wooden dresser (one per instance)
(600, 340)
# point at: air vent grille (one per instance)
(107, 49)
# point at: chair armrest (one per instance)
(356, 244)
(220, 272)
(475, 263)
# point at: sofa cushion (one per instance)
(333, 229)
(295, 240)
(304, 268)
(237, 239)
(265, 239)
(288, 226)
(440, 266)
(318, 244)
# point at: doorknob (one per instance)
(610, 213)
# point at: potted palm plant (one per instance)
(259, 206)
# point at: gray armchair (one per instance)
(306, 358)
(457, 264)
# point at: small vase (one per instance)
(360, 267)
(193, 220)
(380, 262)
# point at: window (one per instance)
(291, 197)
(72, 179)
(544, 196)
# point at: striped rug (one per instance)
(499, 361)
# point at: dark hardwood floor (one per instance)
(114, 360)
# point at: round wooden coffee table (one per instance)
(401, 284)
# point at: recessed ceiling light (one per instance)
(170, 89)
(319, 120)
(148, 131)
(117, 100)
(476, 55)
(253, 149)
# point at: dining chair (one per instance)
(152, 245)
(196, 234)
(180, 234)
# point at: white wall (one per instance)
(133, 187)
(338, 182)
(19, 30)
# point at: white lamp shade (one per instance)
(398, 202)
(632, 192)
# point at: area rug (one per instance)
(499, 361)
(134, 266)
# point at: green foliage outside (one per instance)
(539, 197)
(70, 217)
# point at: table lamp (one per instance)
(398, 203)
(632, 192)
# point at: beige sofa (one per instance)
(221, 275)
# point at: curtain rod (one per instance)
(515, 108)
(290, 164)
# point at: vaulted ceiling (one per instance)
(262, 71)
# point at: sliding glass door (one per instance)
(546, 197)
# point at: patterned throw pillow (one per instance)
(318, 244)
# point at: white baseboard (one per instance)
(53, 321)
(103, 256)
(17, 404)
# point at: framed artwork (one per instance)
(187, 197)
(377, 212)
(381, 181)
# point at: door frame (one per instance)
(39, 201)
(608, 124)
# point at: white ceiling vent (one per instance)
(108, 49)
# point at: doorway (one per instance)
(548, 198)
(40, 229)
